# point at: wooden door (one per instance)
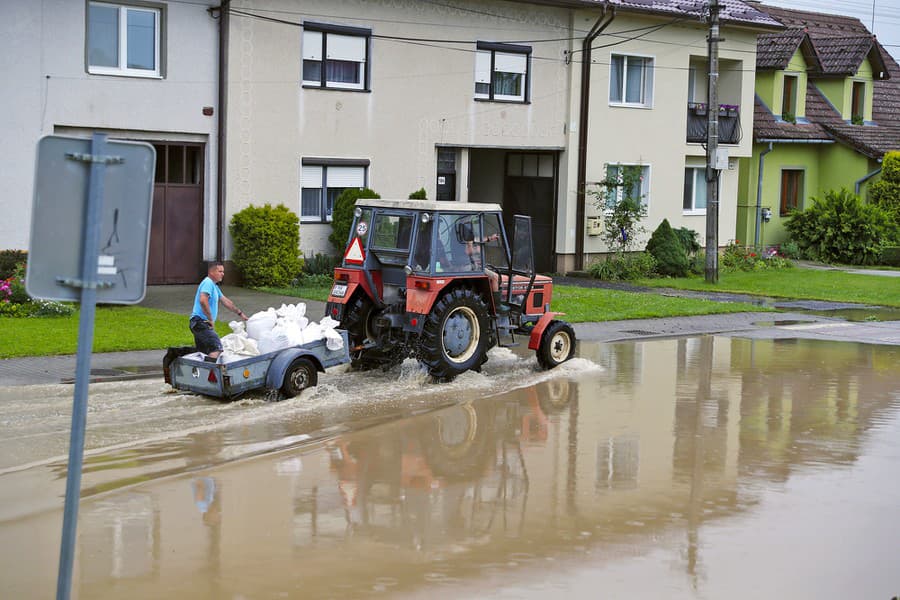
(176, 234)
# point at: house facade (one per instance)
(144, 71)
(482, 102)
(827, 109)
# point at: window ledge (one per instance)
(310, 86)
(130, 74)
(694, 213)
(502, 101)
(630, 105)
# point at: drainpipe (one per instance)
(864, 179)
(759, 178)
(224, 22)
(596, 30)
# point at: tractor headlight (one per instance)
(357, 212)
(425, 217)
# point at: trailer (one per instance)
(283, 373)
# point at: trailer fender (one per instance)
(534, 342)
(281, 363)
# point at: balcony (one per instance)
(729, 123)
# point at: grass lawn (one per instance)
(595, 304)
(307, 292)
(807, 284)
(116, 328)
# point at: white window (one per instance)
(321, 184)
(335, 56)
(694, 190)
(630, 80)
(502, 72)
(123, 40)
(626, 181)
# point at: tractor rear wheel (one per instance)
(454, 338)
(358, 323)
(557, 345)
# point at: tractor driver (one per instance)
(474, 254)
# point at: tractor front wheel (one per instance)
(454, 338)
(557, 345)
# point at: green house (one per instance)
(827, 109)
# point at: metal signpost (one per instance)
(84, 249)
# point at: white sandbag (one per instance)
(260, 323)
(293, 331)
(251, 348)
(333, 340)
(274, 339)
(194, 356)
(232, 343)
(238, 327)
(329, 323)
(229, 357)
(312, 333)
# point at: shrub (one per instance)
(625, 267)
(840, 228)
(342, 216)
(666, 247)
(321, 264)
(9, 259)
(790, 249)
(890, 255)
(267, 245)
(690, 240)
(885, 193)
(741, 258)
(419, 194)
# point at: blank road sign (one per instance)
(59, 213)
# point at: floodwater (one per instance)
(692, 468)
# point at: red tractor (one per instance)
(442, 282)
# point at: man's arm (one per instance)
(230, 306)
(204, 305)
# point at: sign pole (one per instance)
(88, 285)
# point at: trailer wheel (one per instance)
(557, 345)
(455, 334)
(299, 376)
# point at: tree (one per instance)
(667, 249)
(267, 245)
(886, 193)
(342, 215)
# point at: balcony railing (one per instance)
(729, 123)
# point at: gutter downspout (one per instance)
(864, 179)
(759, 178)
(224, 24)
(581, 183)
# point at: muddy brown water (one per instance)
(692, 468)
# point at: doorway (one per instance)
(176, 231)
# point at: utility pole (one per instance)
(712, 147)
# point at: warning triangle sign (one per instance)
(354, 253)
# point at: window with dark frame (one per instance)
(335, 56)
(124, 40)
(789, 98)
(321, 182)
(502, 72)
(791, 190)
(858, 101)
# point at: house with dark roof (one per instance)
(827, 109)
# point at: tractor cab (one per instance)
(409, 262)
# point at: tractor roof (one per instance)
(429, 205)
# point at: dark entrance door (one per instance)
(529, 189)
(176, 233)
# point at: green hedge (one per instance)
(9, 259)
(342, 216)
(267, 245)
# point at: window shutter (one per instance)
(312, 45)
(510, 63)
(482, 67)
(346, 47)
(346, 177)
(311, 177)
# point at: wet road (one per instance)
(703, 467)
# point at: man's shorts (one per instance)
(205, 337)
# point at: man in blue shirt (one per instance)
(206, 307)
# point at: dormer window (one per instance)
(858, 102)
(789, 99)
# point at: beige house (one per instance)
(480, 102)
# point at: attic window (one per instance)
(789, 99)
(858, 102)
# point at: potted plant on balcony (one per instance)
(699, 109)
(728, 110)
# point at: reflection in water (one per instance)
(684, 468)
